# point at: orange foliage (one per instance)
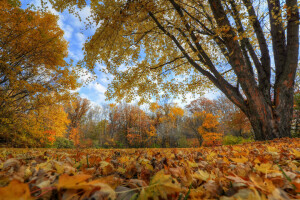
(208, 128)
(50, 134)
(193, 142)
(75, 136)
(239, 122)
(131, 125)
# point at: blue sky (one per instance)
(76, 34)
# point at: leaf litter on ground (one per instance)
(257, 170)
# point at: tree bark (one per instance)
(269, 118)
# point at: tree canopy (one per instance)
(247, 49)
(35, 77)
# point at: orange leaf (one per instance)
(15, 190)
(69, 182)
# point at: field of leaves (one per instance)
(260, 170)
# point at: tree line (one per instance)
(203, 122)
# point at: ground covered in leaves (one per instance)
(260, 170)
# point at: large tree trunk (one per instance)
(270, 117)
(270, 127)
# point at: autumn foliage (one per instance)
(259, 170)
(35, 78)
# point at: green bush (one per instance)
(119, 145)
(232, 140)
(63, 143)
(182, 142)
(155, 145)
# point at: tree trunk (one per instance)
(200, 139)
(270, 117)
(267, 122)
(240, 132)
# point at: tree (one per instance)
(50, 122)
(94, 125)
(239, 123)
(204, 125)
(33, 71)
(36, 128)
(223, 42)
(232, 119)
(167, 119)
(77, 109)
(203, 104)
(34, 75)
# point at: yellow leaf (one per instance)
(149, 167)
(70, 182)
(272, 149)
(201, 175)
(15, 190)
(79, 182)
(296, 153)
(226, 160)
(264, 168)
(240, 160)
(265, 185)
(160, 187)
(211, 156)
(106, 167)
(192, 164)
(59, 168)
(256, 160)
(121, 170)
(46, 166)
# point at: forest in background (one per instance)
(78, 123)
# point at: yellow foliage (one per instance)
(154, 107)
(152, 131)
(34, 75)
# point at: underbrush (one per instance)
(232, 140)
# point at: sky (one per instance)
(76, 34)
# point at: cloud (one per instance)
(97, 87)
(80, 38)
(68, 31)
(85, 76)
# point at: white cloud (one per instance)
(105, 80)
(81, 39)
(85, 75)
(123, 67)
(97, 87)
(68, 31)
(85, 13)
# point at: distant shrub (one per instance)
(182, 142)
(119, 145)
(232, 140)
(63, 143)
(295, 134)
(155, 145)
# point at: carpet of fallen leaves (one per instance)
(260, 170)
